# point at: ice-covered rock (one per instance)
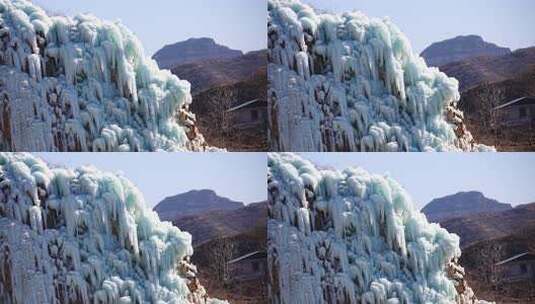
(352, 83)
(353, 237)
(82, 84)
(85, 236)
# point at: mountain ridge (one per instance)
(474, 71)
(192, 50)
(486, 226)
(460, 48)
(207, 74)
(462, 204)
(194, 202)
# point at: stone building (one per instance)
(518, 112)
(249, 114)
(518, 268)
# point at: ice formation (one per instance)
(353, 237)
(82, 84)
(351, 83)
(84, 236)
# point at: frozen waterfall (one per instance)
(85, 236)
(82, 84)
(352, 83)
(354, 237)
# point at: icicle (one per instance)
(369, 242)
(352, 73)
(86, 236)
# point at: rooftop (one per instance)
(526, 100)
(247, 256)
(516, 257)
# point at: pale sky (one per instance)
(506, 177)
(238, 176)
(239, 24)
(508, 23)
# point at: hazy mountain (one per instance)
(192, 203)
(480, 227)
(462, 204)
(193, 50)
(460, 48)
(208, 74)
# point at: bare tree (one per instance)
(222, 252)
(220, 103)
(490, 97)
(490, 255)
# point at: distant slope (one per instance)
(208, 74)
(477, 228)
(519, 86)
(193, 50)
(460, 48)
(192, 203)
(214, 224)
(462, 204)
(476, 71)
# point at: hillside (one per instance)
(193, 50)
(206, 74)
(460, 48)
(216, 224)
(475, 71)
(487, 280)
(462, 204)
(476, 228)
(193, 203)
(249, 139)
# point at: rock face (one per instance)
(351, 83)
(353, 237)
(193, 50)
(84, 236)
(462, 204)
(460, 48)
(192, 203)
(82, 84)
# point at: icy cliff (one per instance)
(351, 83)
(82, 84)
(354, 237)
(84, 236)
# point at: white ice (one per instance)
(85, 236)
(351, 83)
(353, 237)
(82, 84)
